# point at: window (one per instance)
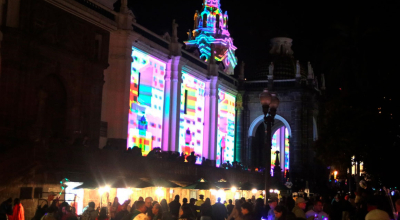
(25, 193)
(37, 193)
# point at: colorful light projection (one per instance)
(146, 100)
(226, 127)
(191, 125)
(280, 142)
(211, 27)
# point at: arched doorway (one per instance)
(280, 142)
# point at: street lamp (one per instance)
(269, 103)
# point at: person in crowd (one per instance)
(259, 210)
(247, 211)
(154, 202)
(102, 214)
(50, 214)
(157, 212)
(139, 213)
(191, 158)
(280, 212)
(18, 210)
(174, 207)
(290, 203)
(230, 207)
(6, 209)
(272, 203)
(164, 206)
(242, 200)
(192, 206)
(62, 210)
(206, 210)
(397, 204)
(298, 209)
(185, 213)
(121, 214)
(317, 211)
(90, 213)
(185, 202)
(199, 203)
(237, 211)
(219, 210)
(377, 214)
(336, 208)
(71, 215)
(114, 208)
(148, 202)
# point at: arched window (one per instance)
(280, 142)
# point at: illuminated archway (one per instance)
(280, 139)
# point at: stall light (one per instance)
(104, 189)
(335, 174)
(254, 191)
(159, 191)
(171, 191)
(213, 191)
(276, 191)
(263, 192)
(271, 190)
(233, 189)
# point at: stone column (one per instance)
(207, 121)
(239, 128)
(13, 8)
(172, 96)
(213, 118)
(117, 77)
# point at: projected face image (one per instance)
(226, 127)
(146, 100)
(191, 123)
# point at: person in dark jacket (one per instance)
(185, 213)
(6, 209)
(219, 211)
(230, 207)
(174, 207)
(206, 210)
(247, 211)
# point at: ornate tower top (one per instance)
(211, 27)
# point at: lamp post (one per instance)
(269, 103)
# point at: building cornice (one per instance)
(87, 14)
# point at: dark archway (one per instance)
(258, 147)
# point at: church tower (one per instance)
(211, 27)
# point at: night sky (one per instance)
(353, 44)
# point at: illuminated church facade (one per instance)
(136, 88)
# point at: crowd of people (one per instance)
(302, 208)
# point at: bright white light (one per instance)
(254, 191)
(263, 192)
(159, 191)
(104, 189)
(171, 191)
(271, 190)
(276, 191)
(233, 189)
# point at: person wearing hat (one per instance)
(298, 209)
(272, 202)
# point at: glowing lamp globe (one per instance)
(274, 101)
(265, 100)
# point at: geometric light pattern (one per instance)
(211, 27)
(280, 142)
(226, 127)
(146, 101)
(191, 125)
